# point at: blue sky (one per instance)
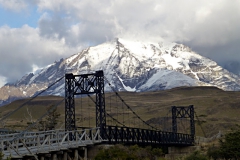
(15, 19)
(35, 33)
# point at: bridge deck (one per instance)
(32, 143)
(139, 136)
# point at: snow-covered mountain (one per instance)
(129, 66)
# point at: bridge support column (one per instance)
(76, 154)
(42, 157)
(69, 103)
(65, 155)
(54, 156)
(85, 153)
(82, 153)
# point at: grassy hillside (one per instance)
(217, 110)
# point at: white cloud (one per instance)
(203, 22)
(2, 81)
(64, 28)
(217, 24)
(14, 5)
(34, 68)
(202, 14)
(22, 48)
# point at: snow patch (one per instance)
(127, 88)
(70, 59)
(167, 79)
(173, 61)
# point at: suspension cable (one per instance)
(111, 105)
(116, 120)
(200, 125)
(107, 113)
(89, 119)
(167, 122)
(129, 106)
(128, 118)
(123, 113)
(169, 129)
(81, 110)
(116, 102)
(9, 114)
(39, 119)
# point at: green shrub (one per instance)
(120, 152)
(196, 156)
(230, 145)
(1, 155)
(214, 152)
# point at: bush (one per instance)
(135, 152)
(196, 156)
(230, 145)
(214, 152)
(1, 155)
(114, 152)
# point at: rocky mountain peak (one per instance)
(129, 66)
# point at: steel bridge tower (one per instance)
(183, 112)
(85, 84)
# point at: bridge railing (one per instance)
(128, 135)
(32, 143)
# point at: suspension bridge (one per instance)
(72, 141)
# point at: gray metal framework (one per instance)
(84, 84)
(183, 112)
(128, 135)
(37, 143)
(94, 84)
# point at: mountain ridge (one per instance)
(129, 66)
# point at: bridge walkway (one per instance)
(33, 143)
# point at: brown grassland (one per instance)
(216, 110)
